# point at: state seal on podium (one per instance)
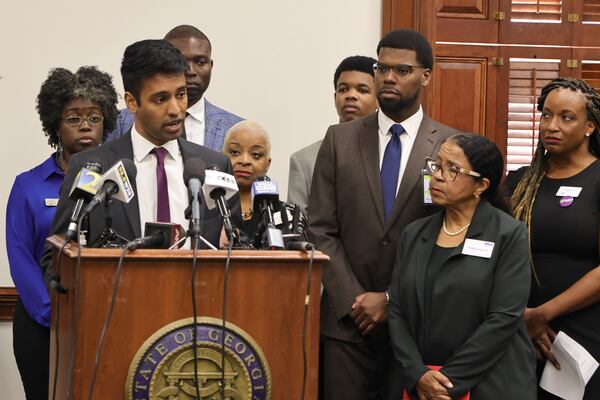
(163, 367)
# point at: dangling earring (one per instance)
(59, 153)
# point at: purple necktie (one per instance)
(390, 169)
(163, 213)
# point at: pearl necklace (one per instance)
(458, 232)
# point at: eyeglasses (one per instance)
(77, 120)
(449, 172)
(382, 69)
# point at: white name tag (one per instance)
(426, 192)
(51, 202)
(478, 248)
(572, 191)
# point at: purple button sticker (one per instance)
(566, 201)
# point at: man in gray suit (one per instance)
(354, 98)
(367, 186)
(205, 123)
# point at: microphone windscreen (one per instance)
(217, 183)
(264, 188)
(193, 168)
(122, 175)
(94, 164)
(84, 183)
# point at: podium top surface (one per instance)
(57, 241)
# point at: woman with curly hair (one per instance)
(558, 197)
(75, 110)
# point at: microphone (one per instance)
(264, 194)
(218, 188)
(193, 176)
(297, 245)
(158, 235)
(82, 191)
(115, 183)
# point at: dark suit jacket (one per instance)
(346, 214)
(493, 356)
(126, 217)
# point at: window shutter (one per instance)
(527, 77)
(590, 72)
(591, 11)
(549, 11)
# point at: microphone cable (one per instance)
(56, 330)
(224, 314)
(74, 324)
(304, 322)
(111, 308)
(194, 305)
(195, 311)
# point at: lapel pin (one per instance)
(566, 201)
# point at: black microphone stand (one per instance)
(195, 233)
(109, 238)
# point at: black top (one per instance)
(434, 352)
(564, 243)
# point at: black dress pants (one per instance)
(31, 345)
(360, 371)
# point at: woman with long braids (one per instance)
(558, 197)
(75, 110)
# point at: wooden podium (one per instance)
(266, 297)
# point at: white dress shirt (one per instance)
(145, 180)
(195, 122)
(407, 139)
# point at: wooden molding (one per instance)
(8, 300)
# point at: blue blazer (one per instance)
(217, 123)
(481, 301)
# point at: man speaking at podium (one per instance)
(153, 73)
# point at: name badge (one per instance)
(426, 192)
(478, 248)
(51, 202)
(571, 191)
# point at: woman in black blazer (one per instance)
(461, 283)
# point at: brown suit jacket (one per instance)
(346, 214)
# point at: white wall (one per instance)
(274, 63)
(10, 382)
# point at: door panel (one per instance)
(472, 19)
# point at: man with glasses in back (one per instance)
(367, 186)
